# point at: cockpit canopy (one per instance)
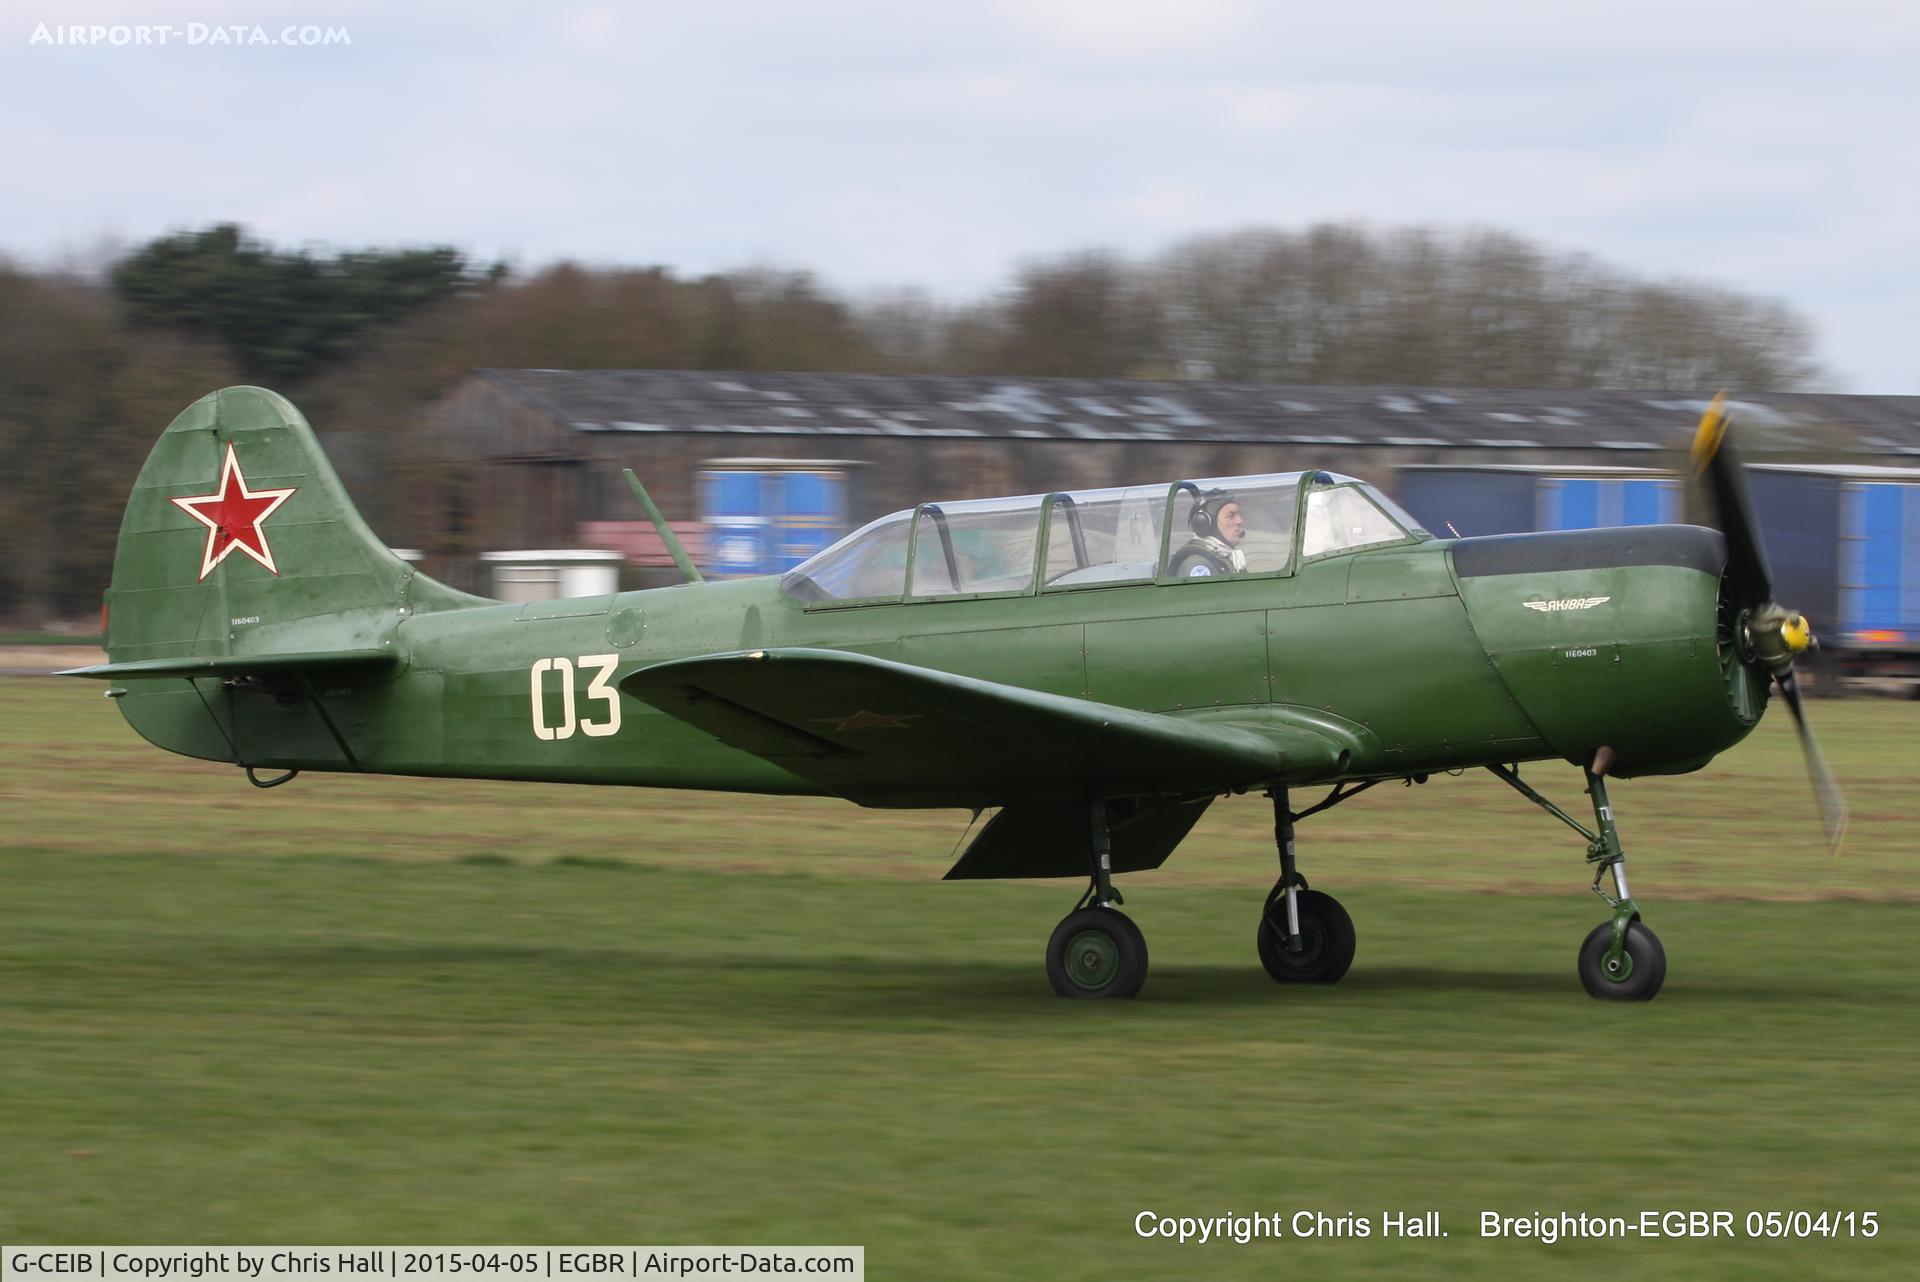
(1097, 538)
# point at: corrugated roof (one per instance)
(828, 405)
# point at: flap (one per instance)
(1053, 841)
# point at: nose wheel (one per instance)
(1620, 960)
(1633, 973)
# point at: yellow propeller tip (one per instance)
(1712, 430)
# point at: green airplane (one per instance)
(1096, 666)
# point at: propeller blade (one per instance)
(1826, 789)
(1715, 462)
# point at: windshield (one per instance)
(871, 562)
(1407, 519)
(1344, 517)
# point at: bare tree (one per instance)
(1340, 304)
(1088, 315)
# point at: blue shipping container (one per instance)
(1880, 563)
(1574, 503)
(1800, 526)
(1467, 502)
(768, 520)
(1518, 501)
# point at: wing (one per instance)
(886, 733)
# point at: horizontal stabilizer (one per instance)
(238, 665)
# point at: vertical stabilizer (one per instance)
(238, 538)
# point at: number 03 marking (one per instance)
(597, 689)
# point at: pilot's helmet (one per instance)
(1205, 517)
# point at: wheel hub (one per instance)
(1092, 959)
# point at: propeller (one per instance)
(1769, 634)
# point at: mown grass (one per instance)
(364, 1010)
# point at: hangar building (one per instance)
(756, 470)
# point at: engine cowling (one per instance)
(1618, 638)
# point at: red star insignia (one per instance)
(864, 720)
(233, 517)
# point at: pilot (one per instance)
(1218, 527)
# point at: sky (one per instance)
(1770, 147)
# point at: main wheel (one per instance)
(1097, 952)
(1635, 977)
(1326, 939)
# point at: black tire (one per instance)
(1097, 952)
(1646, 964)
(1327, 940)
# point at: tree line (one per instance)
(92, 366)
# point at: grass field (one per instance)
(358, 1010)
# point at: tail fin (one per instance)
(242, 574)
(239, 540)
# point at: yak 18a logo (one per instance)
(1570, 603)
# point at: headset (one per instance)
(1204, 520)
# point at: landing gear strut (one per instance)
(1305, 937)
(1096, 950)
(1619, 959)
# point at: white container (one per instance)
(548, 574)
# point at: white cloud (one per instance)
(1079, 28)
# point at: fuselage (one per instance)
(1432, 655)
